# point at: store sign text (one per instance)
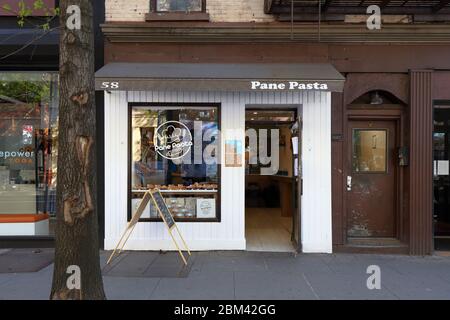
(290, 85)
(24, 157)
(173, 140)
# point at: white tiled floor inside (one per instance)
(266, 230)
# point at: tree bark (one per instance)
(76, 234)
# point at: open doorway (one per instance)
(271, 191)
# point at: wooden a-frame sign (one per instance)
(164, 212)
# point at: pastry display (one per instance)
(202, 186)
(181, 207)
(175, 187)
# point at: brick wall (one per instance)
(219, 10)
(126, 10)
(237, 11)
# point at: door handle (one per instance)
(349, 183)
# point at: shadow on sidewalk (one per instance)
(25, 260)
(148, 264)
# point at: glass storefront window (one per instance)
(441, 177)
(369, 151)
(28, 151)
(166, 142)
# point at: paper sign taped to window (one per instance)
(442, 167)
(295, 145)
(206, 208)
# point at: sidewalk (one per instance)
(251, 275)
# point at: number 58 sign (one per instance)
(110, 85)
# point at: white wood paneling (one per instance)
(316, 161)
(229, 234)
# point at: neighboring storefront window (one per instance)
(174, 149)
(441, 177)
(28, 150)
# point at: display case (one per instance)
(163, 156)
(184, 204)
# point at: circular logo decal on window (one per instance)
(173, 140)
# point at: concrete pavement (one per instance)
(252, 275)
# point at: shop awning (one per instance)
(219, 77)
(34, 36)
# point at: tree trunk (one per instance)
(76, 242)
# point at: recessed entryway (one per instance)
(371, 180)
(267, 230)
(376, 158)
(270, 197)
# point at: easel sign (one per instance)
(167, 217)
(165, 214)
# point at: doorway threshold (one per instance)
(273, 249)
(373, 246)
(374, 242)
(439, 253)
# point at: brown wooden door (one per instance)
(371, 179)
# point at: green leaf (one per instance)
(25, 11)
(7, 7)
(21, 5)
(38, 4)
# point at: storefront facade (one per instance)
(223, 229)
(29, 112)
(28, 133)
(368, 178)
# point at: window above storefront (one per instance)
(177, 10)
(178, 5)
(350, 10)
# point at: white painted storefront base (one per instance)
(196, 245)
(229, 233)
(39, 228)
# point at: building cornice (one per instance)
(274, 33)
